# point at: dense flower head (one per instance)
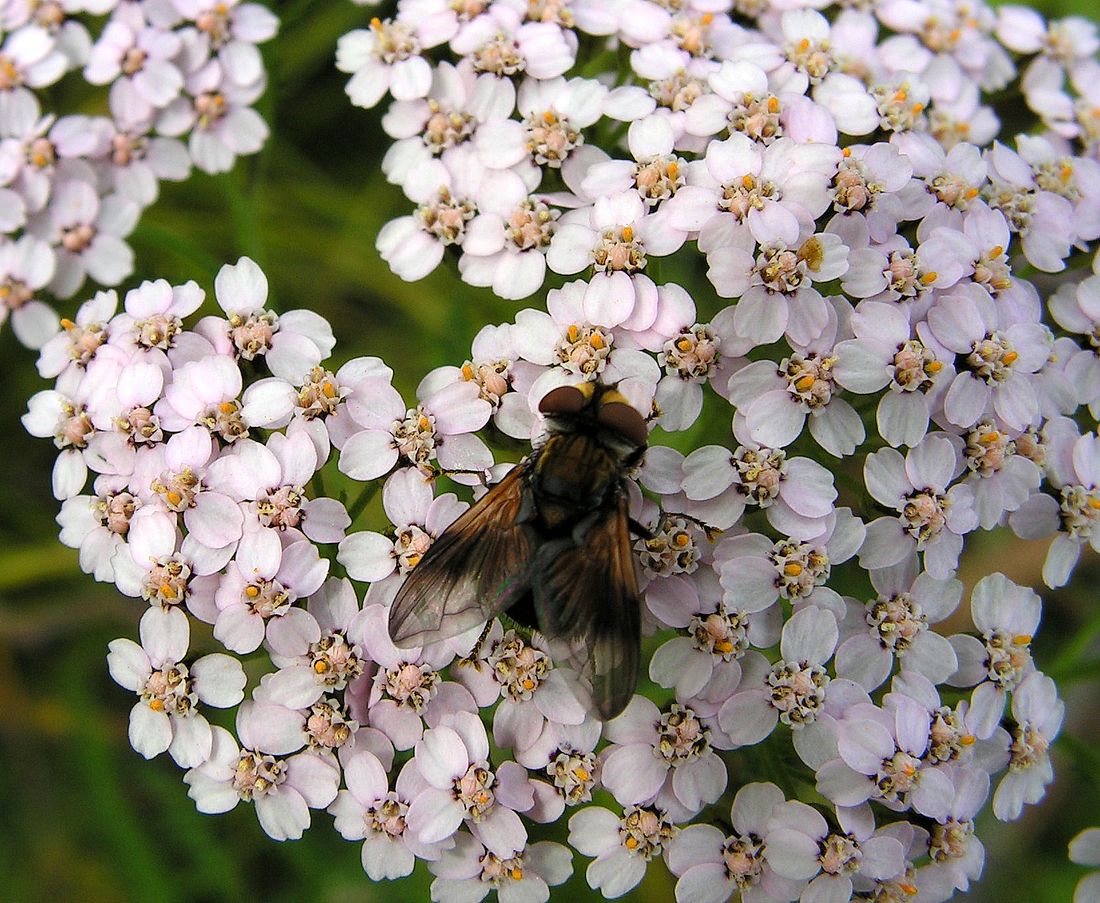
(850, 380)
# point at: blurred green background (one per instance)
(83, 817)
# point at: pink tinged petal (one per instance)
(459, 409)
(761, 316)
(271, 728)
(292, 634)
(748, 583)
(441, 757)
(302, 568)
(192, 740)
(931, 464)
(839, 430)
(259, 551)
(239, 629)
(219, 680)
(315, 777)
(842, 785)
(165, 634)
(241, 287)
(283, 813)
(792, 854)
(152, 535)
(368, 455)
(708, 471)
(150, 731)
(594, 831)
(708, 882)
(809, 490)
(325, 520)
(861, 367)
(809, 635)
(128, 664)
(609, 299)
(501, 831)
(902, 418)
(966, 400)
(570, 250)
(934, 794)
(774, 420)
(699, 783)
(633, 773)
(864, 744)
(385, 858)
(863, 659)
(367, 556)
(679, 664)
(695, 845)
(403, 726)
(883, 857)
(886, 544)
(215, 520)
(464, 451)
(1061, 559)
(884, 473)
(747, 717)
(931, 655)
(434, 815)
(616, 874)
(295, 687)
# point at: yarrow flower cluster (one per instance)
(891, 384)
(180, 78)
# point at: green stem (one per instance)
(369, 492)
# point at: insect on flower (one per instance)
(552, 536)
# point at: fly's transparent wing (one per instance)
(478, 567)
(589, 592)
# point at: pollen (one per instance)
(805, 383)
(581, 774)
(168, 591)
(628, 233)
(596, 341)
(252, 591)
(773, 104)
(917, 109)
(549, 117)
(66, 323)
(929, 278)
(803, 45)
(328, 390)
(157, 705)
(707, 18)
(792, 569)
(1021, 639)
(1094, 504)
(747, 180)
(227, 407)
(724, 647)
(516, 873)
(910, 890)
(320, 666)
(376, 23)
(573, 333)
(673, 169)
(174, 497)
(631, 842)
(967, 739)
(847, 152)
(933, 367)
(996, 251)
(528, 684)
(1010, 357)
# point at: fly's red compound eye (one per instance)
(624, 420)
(564, 400)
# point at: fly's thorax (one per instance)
(573, 475)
